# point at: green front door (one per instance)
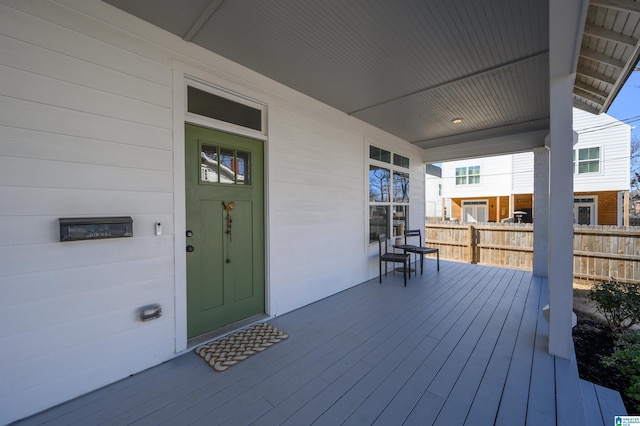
(225, 228)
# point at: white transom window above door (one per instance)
(475, 211)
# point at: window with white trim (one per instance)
(468, 175)
(586, 160)
(208, 105)
(388, 193)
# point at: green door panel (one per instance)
(225, 270)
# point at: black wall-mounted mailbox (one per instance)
(95, 228)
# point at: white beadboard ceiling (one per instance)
(410, 67)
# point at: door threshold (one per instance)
(219, 332)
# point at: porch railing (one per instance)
(599, 252)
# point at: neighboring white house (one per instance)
(493, 188)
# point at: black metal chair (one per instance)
(387, 257)
(418, 249)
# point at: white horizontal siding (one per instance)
(58, 202)
(85, 130)
(65, 32)
(51, 119)
(523, 173)
(117, 354)
(39, 145)
(49, 91)
(27, 288)
(29, 57)
(15, 171)
(613, 137)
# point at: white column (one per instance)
(561, 216)
(541, 211)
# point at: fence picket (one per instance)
(600, 252)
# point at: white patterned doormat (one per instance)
(230, 350)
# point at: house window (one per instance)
(388, 193)
(223, 109)
(587, 161)
(468, 175)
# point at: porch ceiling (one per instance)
(409, 67)
(609, 52)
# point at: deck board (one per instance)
(610, 404)
(465, 389)
(465, 345)
(485, 405)
(513, 405)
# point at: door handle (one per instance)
(190, 248)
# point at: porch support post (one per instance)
(566, 26)
(541, 212)
(561, 217)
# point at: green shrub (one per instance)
(619, 303)
(626, 359)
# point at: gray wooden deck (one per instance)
(466, 345)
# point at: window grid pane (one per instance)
(379, 154)
(227, 175)
(243, 176)
(474, 175)
(399, 160)
(209, 164)
(588, 160)
(400, 187)
(379, 184)
(461, 175)
(378, 222)
(399, 220)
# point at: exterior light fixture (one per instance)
(456, 120)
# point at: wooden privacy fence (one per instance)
(599, 252)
